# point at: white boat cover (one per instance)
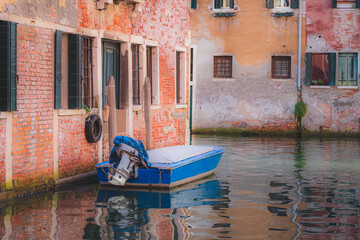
(176, 153)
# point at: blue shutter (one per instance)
(357, 3)
(356, 68)
(218, 4)
(193, 4)
(308, 59)
(75, 71)
(334, 3)
(332, 70)
(294, 4)
(269, 3)
(8, 58)
(58, 75)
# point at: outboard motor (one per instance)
(129, 160)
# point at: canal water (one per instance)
(263, 188)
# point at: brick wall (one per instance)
(32, 123)
(166, 22)
(76, 155)
(2, 153)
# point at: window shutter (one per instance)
(193, 4)
(7, 66)
(357, 3)
(308, 69)
(58, 75)
(269, 3)
(218, 4)
(231, 3)
(334, 3)
(3, 66)
(294, 4)
(75, 71)
(332, 70)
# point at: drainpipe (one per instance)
(299, 50)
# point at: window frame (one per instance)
(273, 67)
(135, 68)
(224, 56)
(223, 5)
(349, 4)
(180, 76)
(356, 65)
(309, 69)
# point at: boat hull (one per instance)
(168, 176)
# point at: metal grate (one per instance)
(223, 67)
(135, 74)
(87, 72)
(281, 67)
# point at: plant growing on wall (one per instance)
(300, 111)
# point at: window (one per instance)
(346, 3)
(149, 68)
(8, 66)
(87, 72)
(223, 67)
(136, 73)
(180, 82)
(347, 69)
(224, 4)
(281, 67)
(193, 4)
(320, 69)
(68, 70)
(282, 3)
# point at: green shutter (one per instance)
(193, 4)
(334, 3)
(3, 66)
(218, 4)
(8, 66)
(332, 70)
(58, 75)
(308, 59)
(75, 71)
(269, 3)
(294, 4)
(357, 3)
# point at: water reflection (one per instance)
(264, 188)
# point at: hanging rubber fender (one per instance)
(93, 128)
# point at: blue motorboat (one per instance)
(131, 165)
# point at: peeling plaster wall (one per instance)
(332, 30)
(252, 99)
(55, 11)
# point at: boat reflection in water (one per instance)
(148, 214)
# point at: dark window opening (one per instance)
(87, 72)
(320, 69)
(178, 71)
(281, 67)
(149, 69)
(223, 67)
(136, 74)
(191, 64)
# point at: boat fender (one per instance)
(93, 128)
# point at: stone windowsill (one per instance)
(155, 107)
(282, 12)
(2, 115)
(181, 106)
(71, 112)
(282, 79)
(224, 12)
(137, 108)
(319, 87)
(348, 87)
(223, 79)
